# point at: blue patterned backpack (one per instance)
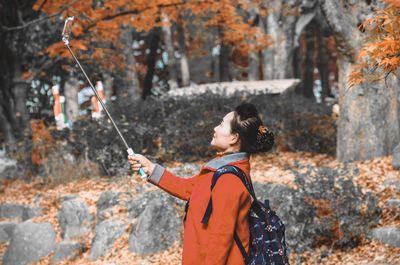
(267, 231)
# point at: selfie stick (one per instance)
(65, 39)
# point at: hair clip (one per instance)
(262, 129)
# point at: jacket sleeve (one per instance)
(227, 197)
(174, 185)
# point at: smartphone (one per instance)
(67, 27)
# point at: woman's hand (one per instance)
(138, 161)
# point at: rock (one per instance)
(67, 251)
(394, 202)
(158, 227)
(106, 233)
(105, 203)
(312, 213)
(392, 183)
(8, 166)
(11, 210)
(107, 199)
(340, 222)
(136, 206)
(75, 219)
(396, 157)
(6, 230)
(388, 235)
(228, 89)
(19, 211)
(30, 242)
(68, 197)
(30, 212)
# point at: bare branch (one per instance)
(29, 23)
(135, 12)
(39, 20)
(44, 66)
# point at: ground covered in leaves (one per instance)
(266, 168)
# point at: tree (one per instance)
(280, 23)
(21, 60)
(31, 48)
(380, 56)
(369, 121)
(101, 22)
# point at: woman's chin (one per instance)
(212, 143)
(213, 146)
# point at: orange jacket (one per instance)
(212, 244)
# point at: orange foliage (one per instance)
(42, 142)
(394, 3)
(102, 22)
(381, 55)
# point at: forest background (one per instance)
(345, 54)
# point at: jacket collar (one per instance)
(225, 160)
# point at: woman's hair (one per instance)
(254, 137)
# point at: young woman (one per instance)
(240, 134)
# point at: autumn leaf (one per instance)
(380, 55)
(78, 45)
(393, 3)
(26, 75)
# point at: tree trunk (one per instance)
(224, 69)
(71, 89)
(169, 43)
(153, 40)
(308, 78)
(185, 72)
(20, 93)
(369, 120)
(108, 85)
(183, 38)
(254, 66)
(323, 64)
(277, 58)
(128, 87)
(6, 129)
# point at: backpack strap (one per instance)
(241, 248)
(249, 186)
(225, 170)
(218, 173)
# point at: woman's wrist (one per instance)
(156, 174)
(151, 169)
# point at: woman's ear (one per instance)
(234, 139)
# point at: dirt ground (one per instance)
(371, 178)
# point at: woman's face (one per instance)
(223, 139)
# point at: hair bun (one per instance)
(254, 137)
(265, 139)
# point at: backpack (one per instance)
(267, 231)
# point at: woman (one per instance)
(239, 135)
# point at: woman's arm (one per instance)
(174, 185)
(158, 175)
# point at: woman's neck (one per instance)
(228, 151)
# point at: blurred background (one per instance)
(323, 74)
